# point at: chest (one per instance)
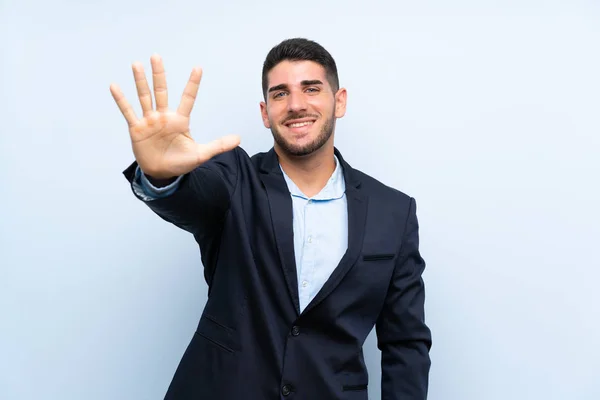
(320, 228)
(320, 236)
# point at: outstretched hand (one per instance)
(161, 140)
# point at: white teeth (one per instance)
(299, 124)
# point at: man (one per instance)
(302, 254)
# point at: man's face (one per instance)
(300, 107)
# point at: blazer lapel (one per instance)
(280, 204)
(357, 216)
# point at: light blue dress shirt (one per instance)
(320, 225)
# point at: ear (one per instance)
(264, 115)
(340, 102)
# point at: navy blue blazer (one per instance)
(252, 342)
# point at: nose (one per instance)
(296, 102)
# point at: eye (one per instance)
(312, 90)
(278, 95)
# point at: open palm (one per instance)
(161, 140)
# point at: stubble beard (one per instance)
(306, 149)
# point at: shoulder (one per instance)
(375, 186)
(258, 158)
(383, 194)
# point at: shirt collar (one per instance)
(334, 189)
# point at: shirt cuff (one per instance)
(148, 191)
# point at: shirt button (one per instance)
(309, 239)
(286, 390)
(295, 330)
(304, 284)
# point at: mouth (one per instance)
(300, 125)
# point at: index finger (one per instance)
(190, 92)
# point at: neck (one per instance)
(311, 172)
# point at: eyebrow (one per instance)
(303, 83)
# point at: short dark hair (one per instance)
(299, 49)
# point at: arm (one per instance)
(196, 201)
(164, 149)
(402, 336)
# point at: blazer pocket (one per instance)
(378, 257)
(216, 333)
(354, 382)
(354, 388)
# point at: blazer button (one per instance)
(286, 390)
(295, 330)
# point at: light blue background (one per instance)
(487, 112)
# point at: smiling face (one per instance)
(301, 107)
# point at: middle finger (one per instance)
(160, 83)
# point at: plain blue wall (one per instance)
(486, 112)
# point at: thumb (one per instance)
(211, 149)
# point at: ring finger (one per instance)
(143, 89)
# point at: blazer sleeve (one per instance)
(202, 198)
(402, 335)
